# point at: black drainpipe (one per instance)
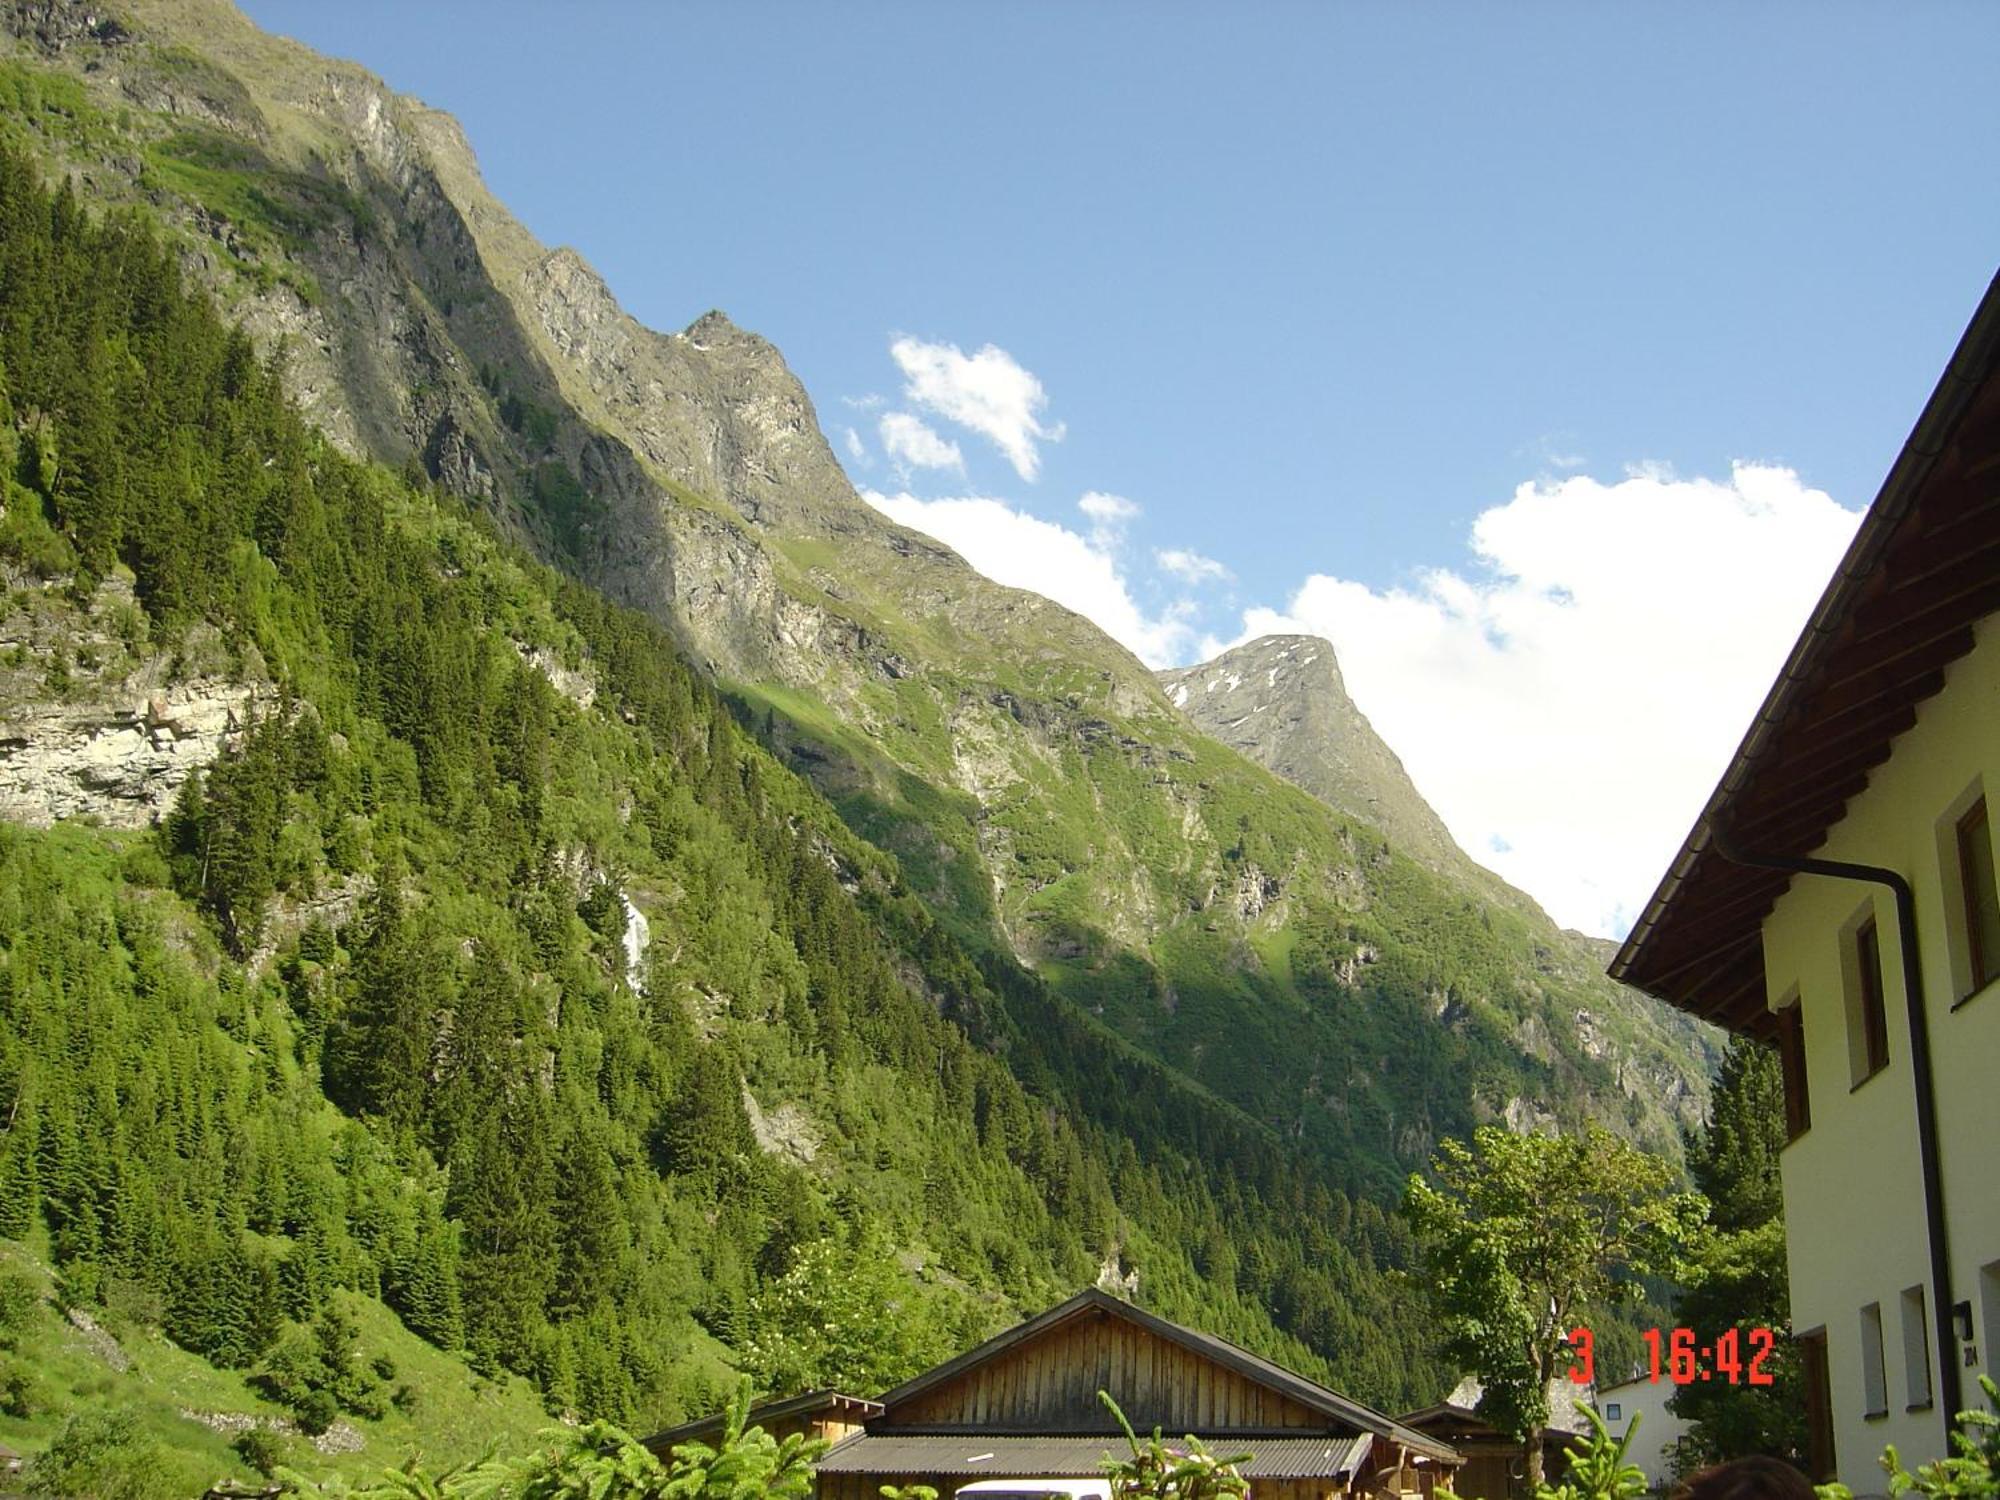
(1949, 1389)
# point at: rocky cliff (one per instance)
(1280, 701)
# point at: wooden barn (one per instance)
(831, 1415)
(1493, 1468)
(1024, 1405)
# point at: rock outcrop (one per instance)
(95, 722)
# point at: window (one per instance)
(1982, 896)
(1989, 1310)
(1819, 1405)
(1916, 1348)
(1874, 1374)
(1792, 1060)
(1613, 1412)
(1867, 1014)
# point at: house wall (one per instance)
(1855, 1228)
(1050, 1384)
(1660, 1431)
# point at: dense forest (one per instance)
(372, 1012)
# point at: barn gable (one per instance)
(1044, 1375)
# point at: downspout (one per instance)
(1949, 1388)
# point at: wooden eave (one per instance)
(812, 1404)
(1922, 571)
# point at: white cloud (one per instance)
(985, 391)
(1109, 516)
(1012, 547)
(1568, 701)
(912, 443)
(1191, 567)
(856, 449)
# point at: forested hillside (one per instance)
(495, 972)
(1045, 801)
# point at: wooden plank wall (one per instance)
(1050, 1384)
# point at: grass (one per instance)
(456, 1415)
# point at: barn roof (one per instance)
(811, 1404)
(1923, 570)
(1336, 1408)
(895, 1454)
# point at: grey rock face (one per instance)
(121, 761)
(1280, 700)
(96, 723)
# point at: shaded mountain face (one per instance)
(1311, 960)
(1280, 701)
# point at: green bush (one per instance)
(20, 1295)
(262, 1449)
(1971, 1472)
(21, 1393)
(99, 1455)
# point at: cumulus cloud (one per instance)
(1023, 551)
(912, 443)
(1191, 567)
(856, 449)
(1568, 699)
(986, 392)
(1109, 516)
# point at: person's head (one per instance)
(1747, 1479)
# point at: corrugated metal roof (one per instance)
(1069, 1456)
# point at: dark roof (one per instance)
(811, 1404)
(1459, 1425)
(898, 1454)
(1316, 1397)
(1923, 570)
(1444, 1418)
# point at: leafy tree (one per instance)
(842, 1317)
(1737, 1279)
(1520, 1235)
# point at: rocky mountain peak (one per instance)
(1281, 701)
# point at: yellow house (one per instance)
(1837, 897)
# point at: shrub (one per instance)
(20, 1295)
(1971, 1472)
(99, 1454)
(262, 1449)
(1157, 1472)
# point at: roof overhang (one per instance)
(812, 1404)
(1073, 1456)
(1922, 571)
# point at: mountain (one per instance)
(1280, 701)
(482, 1001)
(967, 949)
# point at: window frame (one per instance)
(1874, 1365)
(1975, 823)
(1914, 1311)
(1867, 1002)
(1792, 1067)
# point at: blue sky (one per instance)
(1315, 288)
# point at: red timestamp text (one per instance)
(1737, 1357)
